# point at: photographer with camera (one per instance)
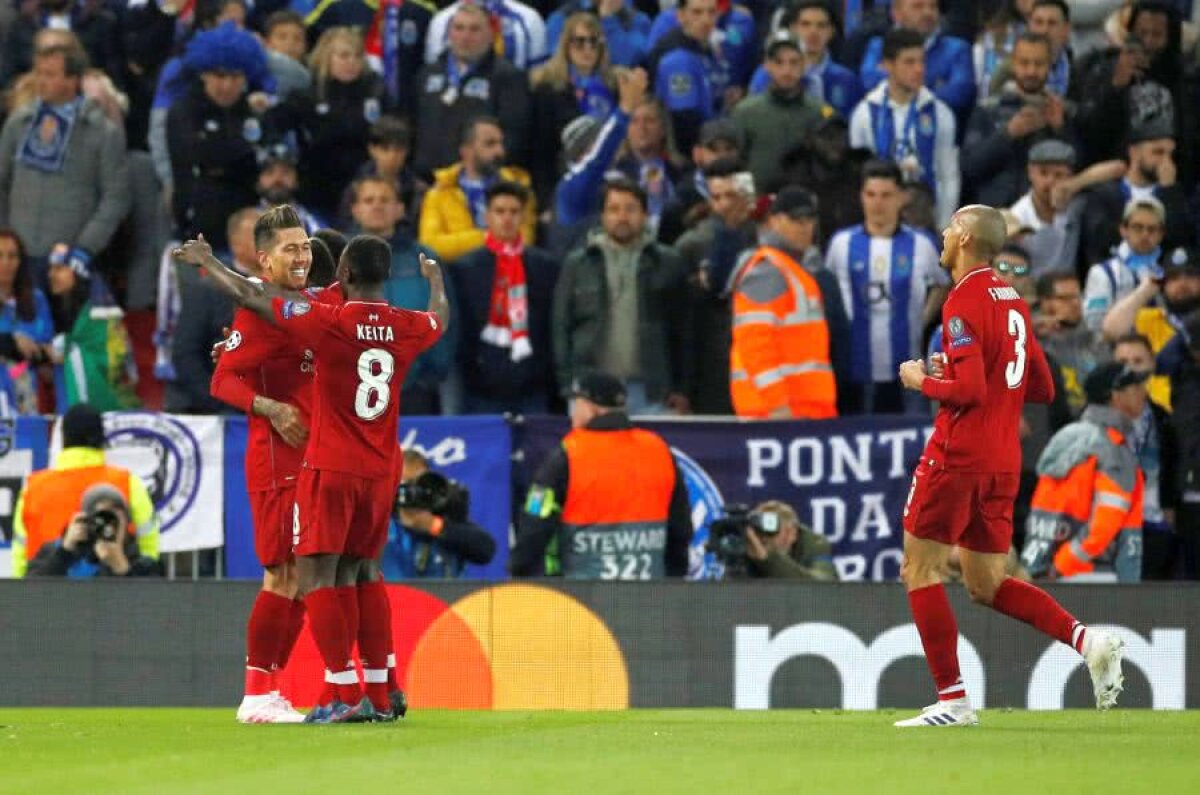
(100, 541)
(770, 542)
(435, 537)
(51, 497)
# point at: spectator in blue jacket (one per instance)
(949, 67)
(626, 29)
(690, 77)
(734, 40)
(377, 211)
(591, 147)
(813, 23)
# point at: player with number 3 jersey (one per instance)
(965, 483)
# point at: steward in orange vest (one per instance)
(779, 363)
(610, 503)
(51, 497)
(1086, 513)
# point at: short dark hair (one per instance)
(1061, 5)
(1029, 37)
(284, 216)
(898, 39)
(390, 130)
(475, 122)
(75, 59)
(368, 260)
(507, 187)
(882, 169)
(624, 184)
(280, 18)
(324, 266)
(792, 11)
(1134, 338)
(724, 167)
(1045, 283)
(334, 240)
(371, 179)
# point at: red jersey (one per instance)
(260, 359)
(363, 351)
(993, 364)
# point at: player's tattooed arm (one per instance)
(247, 293)
(438, 303)
(285, 418)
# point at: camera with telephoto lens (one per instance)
(437, 494)
(103, 525)
(727, 535)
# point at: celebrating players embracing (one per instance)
(346, 487)
(261, 373)
(964, 486)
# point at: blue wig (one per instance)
(226, 48)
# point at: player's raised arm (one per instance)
(438, 303)
(246, 293)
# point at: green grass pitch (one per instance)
(638, 751)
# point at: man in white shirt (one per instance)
(1053, 243)
(892, 286)
(902, 121)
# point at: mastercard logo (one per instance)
(502, 647)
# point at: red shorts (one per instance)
(972, 510)
(341, 514)
(272, 514)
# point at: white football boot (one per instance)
(943, 714)
(1103, 652)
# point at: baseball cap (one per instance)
(720, 131)
(601, 388)
(783, 38)
(1109, 378)
(1052, 151)
(796, 202)
(82, 426)
(577, 136)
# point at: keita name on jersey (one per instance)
(375, 333)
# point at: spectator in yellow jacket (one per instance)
(452, 216)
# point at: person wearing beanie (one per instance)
(50, 509)
(98, 542)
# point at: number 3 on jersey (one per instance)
(375, 369)
(1014, 373)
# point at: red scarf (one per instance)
(508, 317)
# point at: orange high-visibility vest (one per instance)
(52, 497)
(780, 353)
(614, 518)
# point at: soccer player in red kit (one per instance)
(964, 486)
(346, 488)
(263, 374)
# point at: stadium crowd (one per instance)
(733, 208)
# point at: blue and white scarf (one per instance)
(476, 192)
(45, 145)
(592, 94)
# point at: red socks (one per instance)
(939, 637)
(295, 624)
(375, 640)
(265, 632)
(330, 631)
(1039, 609)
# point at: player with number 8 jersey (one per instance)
(363, 350)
